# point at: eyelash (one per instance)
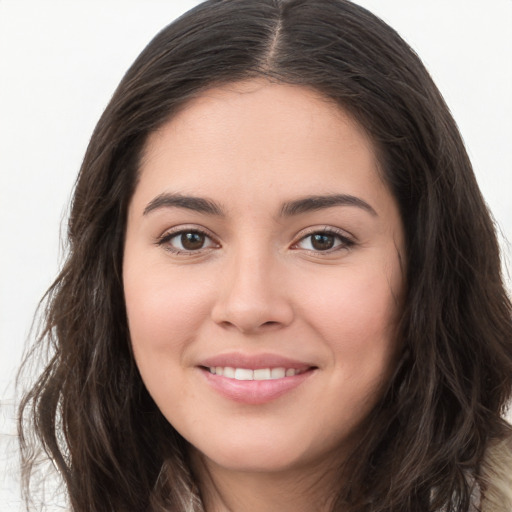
(344, 241)
(166, 238)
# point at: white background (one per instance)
(59, 64)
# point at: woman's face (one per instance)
(262, 276)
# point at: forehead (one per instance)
(264, 108)
(254, 137)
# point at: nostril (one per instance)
(270, 324)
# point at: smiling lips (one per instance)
(255, 379)
(258, 374)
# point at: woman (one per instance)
(283, 290)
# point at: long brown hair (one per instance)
(426, 438)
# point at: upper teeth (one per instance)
(259, 374)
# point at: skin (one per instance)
(259, 283)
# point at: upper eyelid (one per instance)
(184, 228)
(347, 240)
(170, 233)
(324, 229)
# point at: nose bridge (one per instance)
(253, 277)
(252, 294)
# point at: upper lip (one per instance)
(254, 361)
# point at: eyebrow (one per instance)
(291, 208)
(312, 203)
(198, 204)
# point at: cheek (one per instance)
(164, 310)
(357, 319)
(165, 314)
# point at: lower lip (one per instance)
(254, 392)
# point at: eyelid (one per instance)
(169, 234)
(347, 239)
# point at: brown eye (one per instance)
(186, 241)
(322, 242)
(192, 241)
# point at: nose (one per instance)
(253, 296)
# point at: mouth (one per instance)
(255, 380)
(258, 374)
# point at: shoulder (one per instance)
(496, 477)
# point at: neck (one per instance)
(227, 490)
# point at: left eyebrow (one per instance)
(312, 203)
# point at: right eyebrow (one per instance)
(175, 200)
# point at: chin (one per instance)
(267, 454)
(270, 461)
